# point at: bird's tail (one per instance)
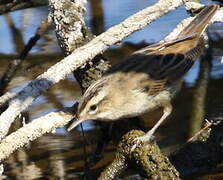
(200, 22)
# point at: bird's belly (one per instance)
(161, 99)
(157, 101)
(144, 103)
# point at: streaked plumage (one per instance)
(147, 79)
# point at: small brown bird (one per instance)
(146, 80)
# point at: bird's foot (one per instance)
(141, 139)
(145, 138)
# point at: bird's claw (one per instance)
(141, 139)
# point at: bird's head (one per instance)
(96, 104)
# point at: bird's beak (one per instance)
(75, 123)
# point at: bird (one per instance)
(147, 79)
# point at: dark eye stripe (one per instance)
(92, 91)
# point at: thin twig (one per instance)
(208, 124)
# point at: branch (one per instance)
(21, 4)
(202, 154)
(149, 160)
(16, 34)
(7, 97)
(79, 57)
(198, 156)
(72, 33)
(33, 130)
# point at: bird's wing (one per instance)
(160, 69)
(163, 63)
(168, 61)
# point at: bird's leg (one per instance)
(147, 137)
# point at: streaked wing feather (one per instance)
(168, 61)
(157, 86)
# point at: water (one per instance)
(60, 155)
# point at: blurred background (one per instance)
(60, 155)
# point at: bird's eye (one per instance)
(93, 107)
